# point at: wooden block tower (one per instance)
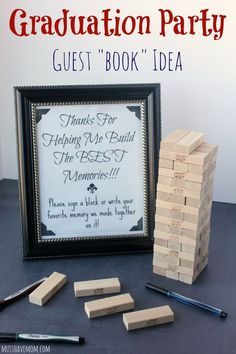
(183, 205)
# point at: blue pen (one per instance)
(187, 300)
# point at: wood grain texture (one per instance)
(47, 289)
(109, 305)
(97, 287)
(147, 318)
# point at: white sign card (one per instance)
(91, 169)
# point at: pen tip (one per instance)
(223, 314)
(81, 340)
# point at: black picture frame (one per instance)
(27, 100)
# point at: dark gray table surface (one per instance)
(193, 331)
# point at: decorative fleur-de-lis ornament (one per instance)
(92, 188)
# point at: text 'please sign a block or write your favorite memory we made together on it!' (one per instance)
(183, 205)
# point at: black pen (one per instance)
(14, 337)
(18, 294)
(187, 300)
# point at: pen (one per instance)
(14, 337)
(18, 294)
(187, 300)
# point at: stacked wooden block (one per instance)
(183, 206)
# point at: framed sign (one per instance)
(88, 158)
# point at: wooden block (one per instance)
(172, 275)
(172, 268)
(165, 180)
(193, 186)
(189, 249)
(183, 176)
(178, 182)
(175, 230)
(175, 246)
(97, 287)
(198, 170)
(195, 158)
(161, 227)
(161, 242)
(191, 218)
(166, 163)
(171, 198)
(149, 317)
(109, 305)
(159, 257)
(47, 289)
(189, 142)
(186, 278)
(163, 265)
(173, 259)
(168, 143)
(177, 223)
(179, 191)
(187, 264)
(190, 233)
(177, 199)
(193, 202)
(211, 149)
(169, 213)
(187, 256)
(180, 166)
(178, 239)
(177, 208)
(159, 270)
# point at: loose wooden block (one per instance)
(166, 163)
(159, 270)
(149, 317)
(168, 143)
(109, 305)
(189, 142)
(180, 166)
(47, 289)
(97, 287)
